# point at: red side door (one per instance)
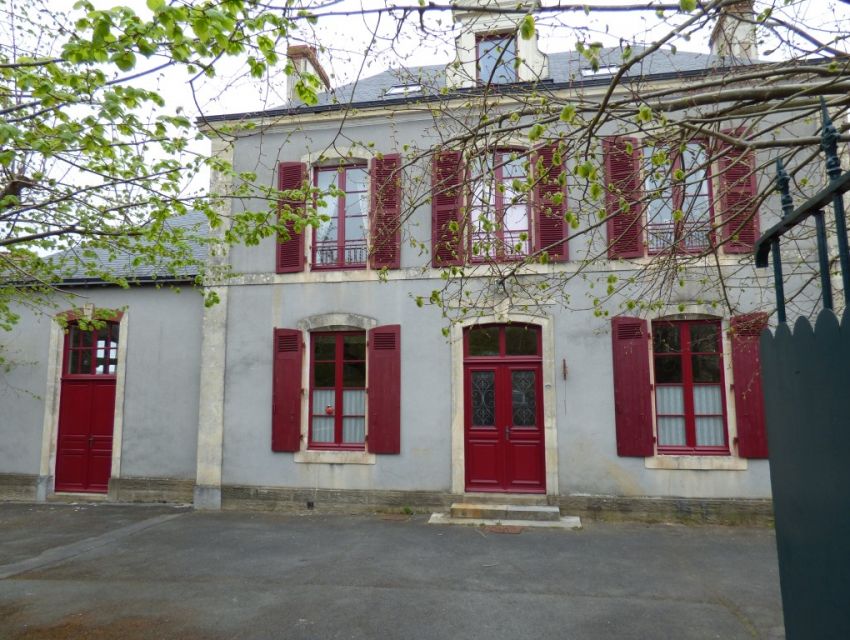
(87, 410)
(503, 417)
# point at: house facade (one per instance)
(390, 355)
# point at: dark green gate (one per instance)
(806, 382)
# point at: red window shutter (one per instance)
(446, 208)
(384, 365)
(739, 221)
(549, 214)
(385, 212)
(290, 252)
(286, 390)
(746, 368)
(632, 390)
(623, 196)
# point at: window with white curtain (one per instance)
(338, 390)
(689, 387)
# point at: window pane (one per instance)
(496, 58)
(324, 347)
(524, 398)
(705, 338)
(669, 400)
(356, 204)
(355, 229)
(484, 341)
(707, 399)
(327, 230)
(324, 374)
(710, 432)
(668, 369)
(322, 400)
(483, 395)
(323, 429)
(354, 402)
(354, 347)
(353, 430)
(326, 178)
(102, 365)
(512, 167)
(671, 432)
(706, 368)
(356, 179)
(74, 361)
(520, 341)
(665, 338)
(84, 361)
(354, 374)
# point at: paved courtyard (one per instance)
(134, 572)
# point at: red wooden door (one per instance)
(504, 444)
(86, 410)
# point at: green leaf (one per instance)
(568, 114)
(535, 132)
(155, 5)
(687, 5)
(526, 27)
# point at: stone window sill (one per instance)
(698, 463)
(335, 457)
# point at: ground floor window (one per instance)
(689, 387)
(338, 390)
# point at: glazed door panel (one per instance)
(504, 447)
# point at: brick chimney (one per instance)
(734, 35)
(305, 60)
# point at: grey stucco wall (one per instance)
(161, 385)
(426, 388)
(22, 390)
(587, 458)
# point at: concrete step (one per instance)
(479, 511)
(502, 498)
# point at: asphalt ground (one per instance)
(138, 572)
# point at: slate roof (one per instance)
(121, 263)
(565, 70)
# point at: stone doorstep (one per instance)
(538, 513)
(564, 522)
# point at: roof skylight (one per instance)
(401, 89)
(601, 71)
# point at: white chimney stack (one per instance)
(734, 36)
(305, 60)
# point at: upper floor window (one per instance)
(496, 58)
(692, 198)
(499, 208)
(340, 240)
(679, 210)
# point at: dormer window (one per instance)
(496, 58)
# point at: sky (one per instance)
(365, 44)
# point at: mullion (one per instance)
(499, 217)
(338, 382)
(688, 385)
(340, 228)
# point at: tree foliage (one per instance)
(95, 158)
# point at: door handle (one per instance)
(91, 441)
(507, 433)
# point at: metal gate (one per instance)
(806, 382)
